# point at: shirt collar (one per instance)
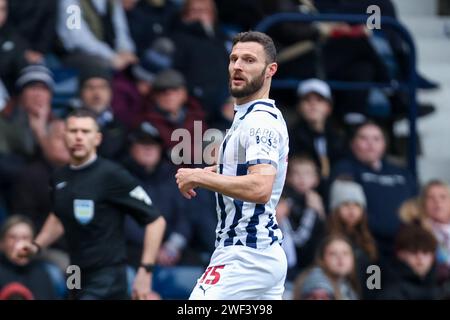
(244, 107)
(84, 165)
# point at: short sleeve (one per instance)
(125, 191)
(261, 138)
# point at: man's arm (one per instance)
(154, 232)
(254, 187)
(51, 231)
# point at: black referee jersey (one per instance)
(91, 203)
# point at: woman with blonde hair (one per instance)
(434, 204)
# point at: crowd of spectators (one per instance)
(149, 67)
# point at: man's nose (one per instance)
(237, 65)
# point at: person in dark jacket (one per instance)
(36, 22)
(13, 47)
(200, 41)
(313, 133)
(301, 214)
(149, 20)
(172, 108)
(147, 163)
(385, 185)
(189, 235)
(413, 273)
(96, 95)
(29, 273)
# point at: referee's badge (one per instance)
(83, 210)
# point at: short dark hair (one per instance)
(366, 123)
(261, 38)
(414, 238)
(84, 113)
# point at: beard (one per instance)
(248, 89)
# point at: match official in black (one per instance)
(90, 198)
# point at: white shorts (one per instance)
(243, 273)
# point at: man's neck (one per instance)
(75, 164)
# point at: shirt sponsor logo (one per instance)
(83, 210)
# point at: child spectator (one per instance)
(334, 275)
(412, 276)
(301, 214)
(349, 217)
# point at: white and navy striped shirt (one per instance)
(258, 135)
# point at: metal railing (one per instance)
(409, 85)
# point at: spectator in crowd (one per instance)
(147, 163)
(24, 121)
(348, 217)
(189, 236)
(30, 196)
(171, 108)
(385, 185)
(149, 20)
(313, 133)
(435, 205)
(200, 41)
(22, 270)
(23, 126)
(225, 119)
(90, 198)
(96, 95)
(12, 55)
(36, 23)
(131, 89)
(333, 277)
(301, 214)
(102, 37)
(413, 276)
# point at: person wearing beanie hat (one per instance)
(24, 120)
(346, 192)
(35, 74)
(348, 217)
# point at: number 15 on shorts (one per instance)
(211, 275)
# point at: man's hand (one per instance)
(23, 251)
(141, 286)
(186, 180)
(168, 257)
(123, 59)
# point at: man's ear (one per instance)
(271, 69)
(98, 139)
